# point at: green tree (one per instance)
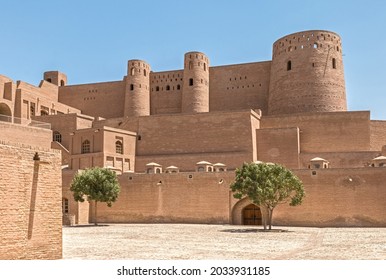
(96, 184)
(267, 185)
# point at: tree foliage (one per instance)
(95, 184)
(267, 185)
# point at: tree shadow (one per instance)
(253, 230)
(90, 225)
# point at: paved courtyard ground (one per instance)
(199, 242)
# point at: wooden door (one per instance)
(252, 215)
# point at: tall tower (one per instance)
(55, 77)
(137, 91)
(307, 74)
(195, 94)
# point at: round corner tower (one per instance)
(137, 89)
(195, 94)
(307, 74)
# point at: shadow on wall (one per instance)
(34, 188)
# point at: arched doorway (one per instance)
(5, 113)
(252, 215)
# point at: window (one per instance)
(167, 87)
(201, 169)
(132, 71)
(178, 87)
(49, 80)
(144, 72)
(57, 137)
(289, 65)
(62, 83)
(334, 63)
(131, 87)
(315, 45)
(190, 82)
(204, 66)
(119, 147)
(190, 65)
(157, 88)
(85, 147)
(65, 206)
(32, 108)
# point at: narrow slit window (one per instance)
(334, 63)
(190, 82)
(289, 65)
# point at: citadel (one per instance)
(176, 137)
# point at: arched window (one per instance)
(334, 63)
(178, 87)
(119, 147)
(57, 137)
(289, 65)
(167, 87)
(201, 169)
(85, 147)
(132, 71)
(62, 83)
(315, 45)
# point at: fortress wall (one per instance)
(177, 199)
(377, 135)
(30, 208)
(279, 145)
(18, 134)
(95, 99)
(338, 197)
(331, 199)
(241, 86)
(198, 134)
(327, 132)
(166, 92)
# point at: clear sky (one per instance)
(91, 40)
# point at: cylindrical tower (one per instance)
(307, 74)
(137, 91)
(195, 94)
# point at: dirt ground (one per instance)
(223, 242)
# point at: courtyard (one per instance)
(224, 242)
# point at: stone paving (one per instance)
(224, 242)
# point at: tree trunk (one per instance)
(270, 212)
(95, 213)
(264, 216)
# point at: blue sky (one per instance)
(91, 41)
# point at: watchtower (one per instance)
(137, 89)
(195, 94)
(307, 74)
